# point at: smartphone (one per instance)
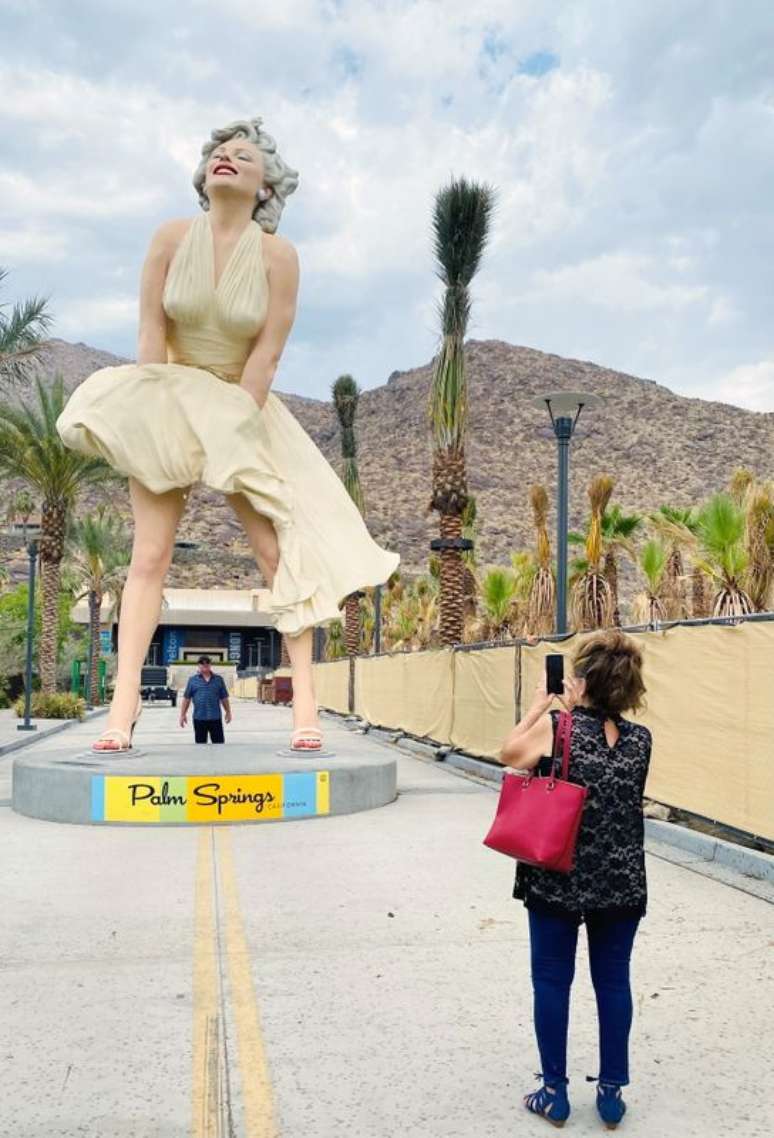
(554, 675)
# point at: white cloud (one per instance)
(633, 224)
(748, 385)
(33, 245)
(104, 315)
(619, 281)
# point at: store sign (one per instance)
(209, 798)
(173, 645)
(235, 645)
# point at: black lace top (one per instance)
(609, 870)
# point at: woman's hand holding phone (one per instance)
(541, 700)
(573, 692)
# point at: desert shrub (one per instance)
(53, 705)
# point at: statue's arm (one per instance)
(152, 336)
(261, 365)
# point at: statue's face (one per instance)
(235, 166)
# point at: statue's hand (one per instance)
(257, 393)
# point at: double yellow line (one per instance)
(217, 912)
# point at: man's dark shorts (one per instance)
(211, 727)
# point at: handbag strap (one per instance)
(563, 738)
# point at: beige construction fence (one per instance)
(710, 706)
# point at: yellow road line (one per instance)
(206, 1112)
(257, 1099)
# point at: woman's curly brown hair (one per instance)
(611, 664)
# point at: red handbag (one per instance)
(538, 819)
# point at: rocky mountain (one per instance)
(660, 447)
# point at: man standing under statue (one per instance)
(207, 691)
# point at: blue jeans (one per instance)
(553, 940)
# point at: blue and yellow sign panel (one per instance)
(209, 798)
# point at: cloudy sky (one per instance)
(631, 145)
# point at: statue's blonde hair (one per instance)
(277, 174)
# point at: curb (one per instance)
(750, 863)
(29, 739)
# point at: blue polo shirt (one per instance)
(206, 695)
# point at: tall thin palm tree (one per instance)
(592, 598)
(542, 597)
(23, 336)
(99, 549)
(461, 220)
(31, 450)
(345, 397)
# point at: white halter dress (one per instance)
(188, 420)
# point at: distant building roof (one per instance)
(229, 608)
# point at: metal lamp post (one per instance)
(377, 619)
(32, 553)
(90, 663)
(564, 407)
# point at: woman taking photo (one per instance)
(606, 889)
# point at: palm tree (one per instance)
(678, 528)
(592, 598)
(759, 544)
(31, 449)
(99, 549)
(22, 337)
(740, 483)
(524, 566)
(757, 500)
(721, 531)
(649, 606)
(335, 648)
(542, 597)
(498, 593)
(345, 396)
(461, 224)
(618, 530)
(19, 504)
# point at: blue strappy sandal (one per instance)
(550, 1102)
(610, 1103)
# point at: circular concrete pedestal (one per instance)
(195, 785)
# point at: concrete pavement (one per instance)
(362, 975)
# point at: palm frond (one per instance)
(461, 217)
(31, 448)
(23, 336)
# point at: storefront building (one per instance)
(225, 624)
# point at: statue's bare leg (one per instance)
(156, 518)
(262, 537)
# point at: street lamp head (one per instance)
(566, 404)
(32, 537)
